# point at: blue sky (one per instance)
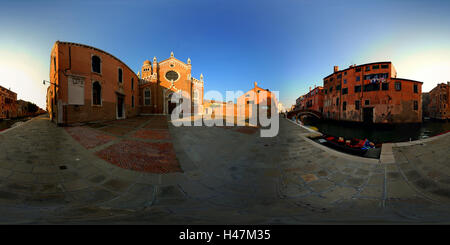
(286, 46)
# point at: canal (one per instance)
(7, 123)
(379, 133)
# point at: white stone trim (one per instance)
(176, 60)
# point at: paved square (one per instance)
(215, 176)
(119, 131)
(127, 123)
(142, 156)
(157, 125)
(152, 134)
(89, 138)
(157, 122)
(127, 151)
(246, 130)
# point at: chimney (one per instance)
(336, 68)
(309, 89)
(256, 84)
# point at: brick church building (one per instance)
(88, 84)
(159, 80)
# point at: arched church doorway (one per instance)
(169, 106)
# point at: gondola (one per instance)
(353, 146)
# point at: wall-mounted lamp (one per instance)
(44, 81)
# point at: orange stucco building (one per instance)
(256, 99)
(313, 100)
(439, 104)
(371, 93)
(219, 108)
(247, 106)
(89, 84)
(8, 103)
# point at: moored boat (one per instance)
(353, 146)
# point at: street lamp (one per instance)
(45, 81)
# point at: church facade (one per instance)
(88, 84)
(160, 80)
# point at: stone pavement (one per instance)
(227, 176)
(140, 143)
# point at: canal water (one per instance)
(379, 133)
(5, 124)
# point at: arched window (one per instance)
(120, 75)
(132, 83)
(96, 64)
(96, 93)
(147, 96)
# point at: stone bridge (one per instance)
(301, 112)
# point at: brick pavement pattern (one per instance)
(142, 156)
(89, 138)
(115, 142)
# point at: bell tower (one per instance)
(146, 70)
(154, 77)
